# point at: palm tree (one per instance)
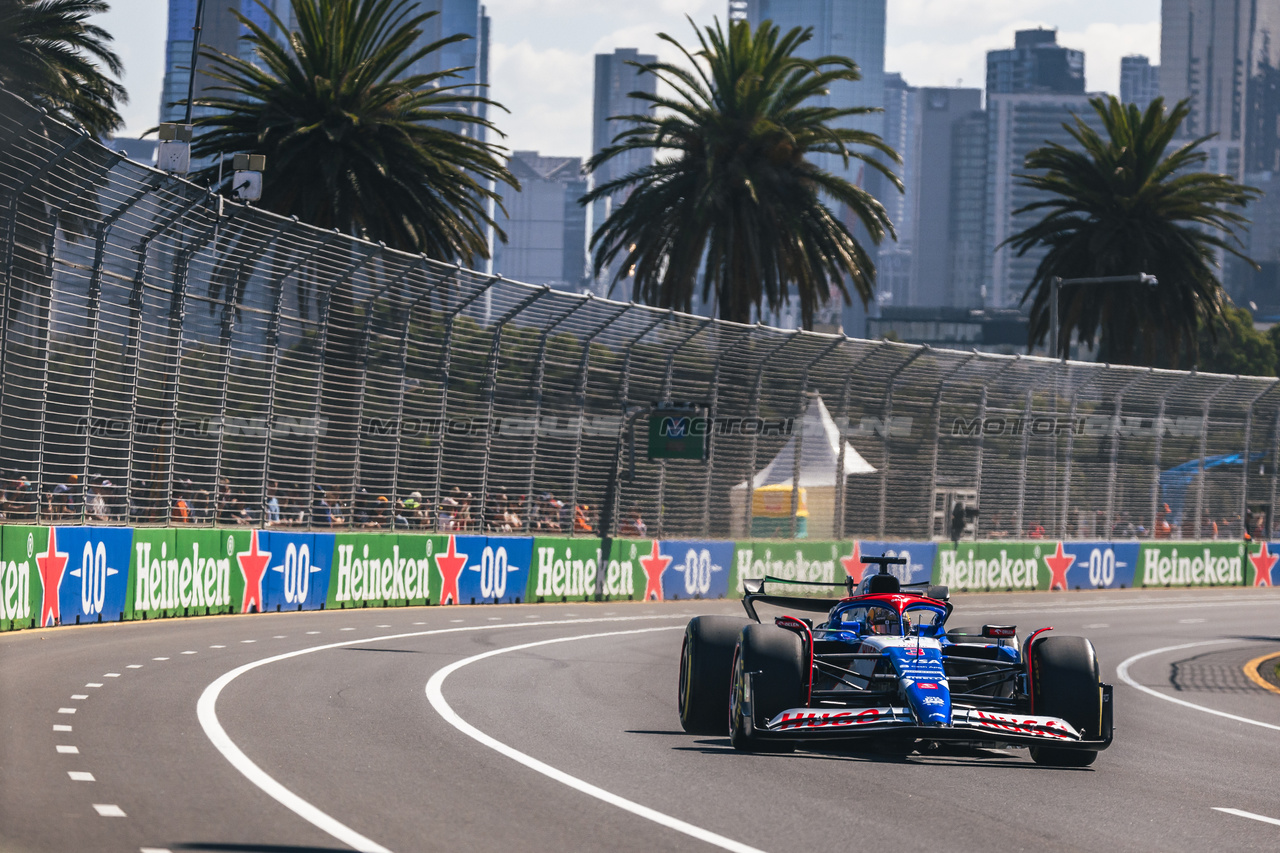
(737, 197)
(353, 140)
(50, 55)
(1120, 206)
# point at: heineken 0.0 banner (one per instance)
(89, 568)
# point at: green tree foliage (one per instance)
(1122, 204)
(1235, 346)
(734, 193)
(52, 56)
(353, 140)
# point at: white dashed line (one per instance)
(94, 684)
(159, 658)
(1097, 625)
(60, 728)
(66, 710)
(108, 810)
(495, 618)
(419, 623)
(457, 620)
(67, 750)
(116, 674)
(531, 616)
(217, 647)
(1189, 621)
(154, 850)
(80, 776)
(384, 626)
(78, 696)
(188, 653)
(248, 641)
(346, 629)
(130, 666)
(280, 637)
(313, 632)
(1249, 815)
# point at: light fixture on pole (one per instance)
(1057, 283)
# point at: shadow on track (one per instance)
(941, 757)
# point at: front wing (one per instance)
(967, 726)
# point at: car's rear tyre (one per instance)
(780, 682)
(705, 676)
(1064, 675)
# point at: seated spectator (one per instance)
(180, 511)
(96, 506)
(633, 526)
(321, 512)
(581, 523)
(271, 507)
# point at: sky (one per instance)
(541, 59)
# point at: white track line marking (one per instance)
(117, 675)
(80, 776)
(79, 696)
(346, 629)
(1249, 815)
(67, 750)
(217, 647)
(1097, 625)
(66, 710)
(154, 850)
(57, 728)
(189, 653)
(108, 810)
(384, 626)
(285, 636)
(1122, 672)
(94, 684)
(1190, 621)
(159, 658)
(206, 712)
(248, 641)
(130, 666)
(436, 697)
(313, 632)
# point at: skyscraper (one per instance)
(1139, 81)
(852, 28)
(546, 227)
(1222, 56)
(902, 132)
(967, 230)
(1036, 63)
(470, 56)
(615, 80)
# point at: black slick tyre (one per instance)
(1064, 676)
(705, 661)
(780, 682)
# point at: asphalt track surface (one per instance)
(574, 744)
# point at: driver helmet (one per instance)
(882, 621)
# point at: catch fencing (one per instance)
(204, 357)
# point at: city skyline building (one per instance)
(967, 229)
(856, 29)
(1035, 64)
(546, 228)
(615, 80)
(1139, 80)
(1222, 58)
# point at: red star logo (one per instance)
(450, 566)
(253, 566)
(654, 565)
(1262, 565)
(51, 566)
(1058, 564)
(853, 563)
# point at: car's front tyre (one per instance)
(1065, 684)
(779, 681)
(706, 659)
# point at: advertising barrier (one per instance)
(79, 575)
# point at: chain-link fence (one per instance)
(169, 356)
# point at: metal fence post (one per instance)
(133, 341)
(404, 377)
(666, 397)
(937, 426)
(539, 377)
(802, 405)
(1159, 448)
(1248, 442)
(843, 421)
(1020, 512)
(491, 381)
(446, 357)
(580, 394)
(776, 349)
(177, 320)
(1068, 463)
(94, 311)
(1204, 446)
(982, 432)
(322, 344)
(886, 417)
(1275, 471)
(1116, 422)
(713, 412)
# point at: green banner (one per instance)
(414, 558)
(20, 586)
(563, 569)
(153, 575)
(625, 578)
(363, 571)
(991, 566)
(1191, 564)
(204, 572)
(815, 562)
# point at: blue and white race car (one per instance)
(881, 667)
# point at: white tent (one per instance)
(819, 463)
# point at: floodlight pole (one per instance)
(195, 55)
(611, 492)
(1057, 283)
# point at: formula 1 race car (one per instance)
(882, 668)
